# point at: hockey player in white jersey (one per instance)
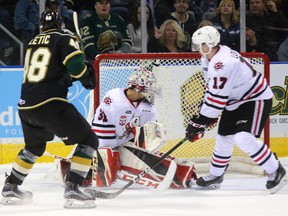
(130, 136)
(244, 98)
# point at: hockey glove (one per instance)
(88, 79)
(196, 127)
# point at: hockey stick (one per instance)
(100, 194)
(56, 157)
(76, 25)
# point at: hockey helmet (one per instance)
(50, 20)
(208, 35)
(144, 81)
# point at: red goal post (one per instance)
(181, 80)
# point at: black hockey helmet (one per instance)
(50, 20)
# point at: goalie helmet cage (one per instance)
(181, 80)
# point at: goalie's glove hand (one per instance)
(196, 127)
(88, 79)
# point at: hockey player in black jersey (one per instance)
(52, 61)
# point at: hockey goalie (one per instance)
(130, 138)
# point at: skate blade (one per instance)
(79, 204)
(14, 201)
(282, 183)
(210, 187)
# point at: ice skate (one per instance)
(277, 180)
(209, 182)
(12, 195)
(76, 198)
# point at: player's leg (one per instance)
(256, 114)
(220, 160)
(35, 142)
(73, 128)
(222, 152)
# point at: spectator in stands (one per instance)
(134, 28)
(185, 18)
(253, 41)
(226, 21)
(104, 32)
(133, 5)
(171, 39)
(269, 22)
(26, 20)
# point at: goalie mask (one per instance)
(144, 81)
(205, 35)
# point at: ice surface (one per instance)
(240, 195)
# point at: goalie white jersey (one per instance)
(113, 117)
(230, 84)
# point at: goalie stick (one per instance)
(56, 157)
(104, 195)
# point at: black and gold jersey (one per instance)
(52, 58)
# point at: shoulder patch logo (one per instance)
(107, 101)
(218, 66)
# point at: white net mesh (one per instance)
(181, 80)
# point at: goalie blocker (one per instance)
(130, 159)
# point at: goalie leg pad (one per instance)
(134, 160)
(185, 174)
(106, 166)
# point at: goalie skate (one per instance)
(209, 182)
(76, 198)
(277, 180)
(12, 195)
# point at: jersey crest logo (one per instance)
(107, 100)
(123, 120)
(218, 66)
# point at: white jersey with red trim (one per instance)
(231, 81)
(112, 118)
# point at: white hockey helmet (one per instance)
(144, 81)
(208, 35)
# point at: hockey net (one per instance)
(181, 80)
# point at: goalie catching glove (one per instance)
(88, 79)
(197, 125)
